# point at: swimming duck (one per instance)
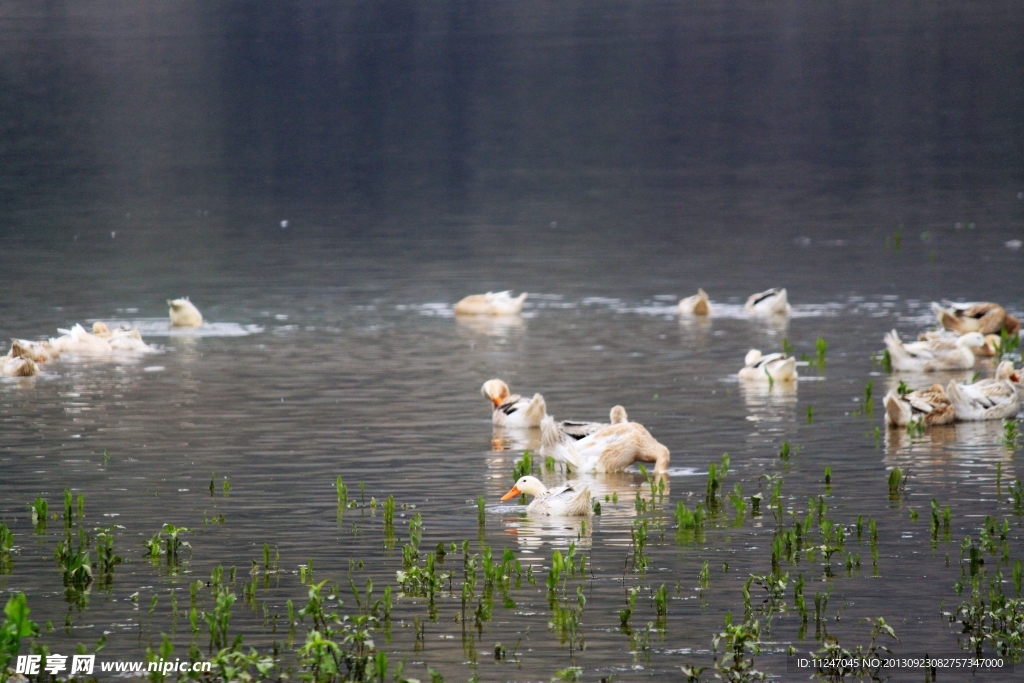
(698, 304)
(609, 449)
(989, 349)
(18, 366)
(930, 405)
(775, 366)
(985, 317)
(769, 302)
(512, 410)
(40, 352)
(491, 303)
(79, 340)
(988, 399)
(183, 313)
(569, 500)
(929, 356)
(578, 430)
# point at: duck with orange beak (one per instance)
(569, 500)
(512, 410)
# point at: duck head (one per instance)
(531, 486)
(495, 390)
(618, 415)
(753, 355)
(972, 340)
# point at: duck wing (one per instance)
(577, 429)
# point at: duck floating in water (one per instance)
(183, 313)
(769, 302)
(578, 430)
(18, 363)
(930, 356)
(569, 500)
(39, 352)
(609, 449)
(491, 303)
(512, 410)
(698, 304)
(985, 317)
(775, 367)
(931, 406)
(988, 399)
(79, 340)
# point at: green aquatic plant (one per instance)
(869, 402)
(886, 361)
(523, 466)
(833, 662)
(1006, 345)
(821, 346)
(1011, 433)
(627, 614)
(784, 451)
(39, 508)
(638, 536)
(810, 414)
(16, 626)
(6, 546)
(828, 475)
(74, 563)
(897, 483)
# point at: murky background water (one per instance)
(606, 158)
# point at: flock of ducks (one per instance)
(25, 356)
(585, 447)
(965, 331)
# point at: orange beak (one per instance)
(512, 494)
(1015, 377)
(496, 400)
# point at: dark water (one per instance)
(607, 158)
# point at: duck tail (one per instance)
(784, 371)
(957, 398)
(894, 345)
(897, 411)
(554, 443)
(536, 411)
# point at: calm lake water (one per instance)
(326, 181)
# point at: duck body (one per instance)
(698, 304)
(578, 430)
(985, 317)
(79, 340)
(775, 367)
(569, 500)
(769, 302)
(491, 303)
(183, 313)
(930, 405)
(988, 399)
(39, 352)
(931, 356)
(18, 366)
(610, 449)
(512, 410)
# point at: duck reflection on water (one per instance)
(953, 453)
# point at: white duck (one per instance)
(698, 304)
(570, 500)
(931, 406)
(929, 356)
(512, 410)
(183, 313)
(18, 366)
(988, 399)
(491, 303)
(609, 449)
(578, 430)
(40, 352)
(79, 340)
(775, 367)
(769, 302)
